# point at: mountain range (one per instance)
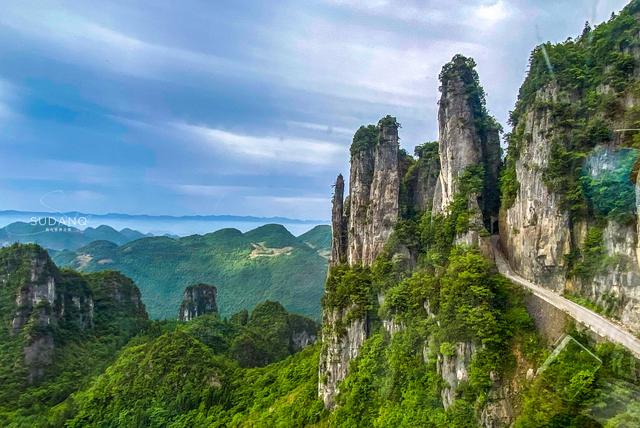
(267, 263)
(54, 235)
(460, 290)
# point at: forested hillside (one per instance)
(419, 328)
(267, 263)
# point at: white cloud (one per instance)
(328, 129)
(485, 16)
(271, 149)
(361, 63)
(83, 41)
(409, 11)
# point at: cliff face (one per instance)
(469, 137)
(198, 300)
(535, 231)
(45, 305)
(374, 189)
(569, 217)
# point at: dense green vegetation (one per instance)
(581, 387)
(590, 77)
(366, 137)
(79, 351)
(394, 380)
(192, 374)
(182, 373)
(318, 238)
(267, 263)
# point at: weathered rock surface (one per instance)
(338, 225)
(374, 189)
(360, 178)
(50, 303)
(535, 231)
(454, 369)
(198, 300)
(338, 349)
(422, 179)
(468, 137)
(385, 190)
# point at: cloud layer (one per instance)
(242, 108)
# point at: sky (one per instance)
(243, 107)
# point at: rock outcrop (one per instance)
(454, 369)
(535, 231)
(421, 179)
(374, 188)
(469, 143)
(338, 225)
(49, 304)
(339, 347)
(198, 300)
(368, 215)
(45, 301)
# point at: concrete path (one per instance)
(595, 322)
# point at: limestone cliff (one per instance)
(535, 231)
(383, 210)
(569, 215)
(47, 304)
(198, 300)
(368, 216)
(387, 184)
(374, 189)
(468, 138)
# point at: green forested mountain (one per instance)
(61, 328)
(318, 238)
(58, 328)
(57, 236)
(419, 327)
(267, 263)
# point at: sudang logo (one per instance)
(59, 224)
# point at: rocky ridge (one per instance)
(385, 185)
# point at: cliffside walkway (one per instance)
(600, 325)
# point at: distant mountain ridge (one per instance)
(221, 217)
(53, 235)
(266, 263)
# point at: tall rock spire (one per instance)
(338, 225)
(469, 138)
(385, 190)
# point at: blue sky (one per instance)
(243, 107)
